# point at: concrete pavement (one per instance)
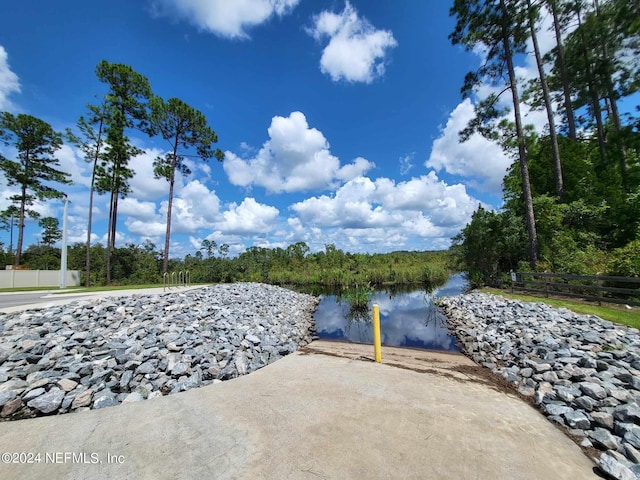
(327, 412)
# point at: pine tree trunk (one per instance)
(594, 98)
(557, 165)
(614, 113)
(109, 238)
(87, 265)
(93, 182)
(522, 151)
(114, 221)
(568, 106)
(167, 238)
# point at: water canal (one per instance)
(408, 317)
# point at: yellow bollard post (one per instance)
(377, 346)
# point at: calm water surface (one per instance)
(407, 319)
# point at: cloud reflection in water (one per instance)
(407, 319)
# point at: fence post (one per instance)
(546, 287)
(599, 285)
(377, 347)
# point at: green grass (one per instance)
(625, 317)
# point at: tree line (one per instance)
(572, 194)
(103, 136)
(293, 265)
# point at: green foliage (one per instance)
(625, 261)
(493, 243)
(594, 225)
(51, 232)
(133, 264)
(357, 296)
(185, 129)
(124, 107)
(332, 267)
(41, 257)
(34, 169)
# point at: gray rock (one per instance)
(610, 465)
(631, 452)
(179, 369)
(14, 384)
(603, 439)
(585, 403)
(593, 390)
(526, 372)
(629, 412)
(146, 368)
(632, 436)
(104, 402)
(576, 419)
(7, 396)
(31, 394)
(133, 397)
(557, 410)
(49, 402)
(241, 363)
(125, 379)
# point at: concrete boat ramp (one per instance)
(325, 412)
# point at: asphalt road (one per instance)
(16, 301)
(22, 298)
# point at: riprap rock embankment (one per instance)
(99, 353)
(583, 372)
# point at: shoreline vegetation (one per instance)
(294, 265)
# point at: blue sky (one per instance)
(339, 120)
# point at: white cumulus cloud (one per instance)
(225, 18)
(9, 82)
(144, 185)
(483, 162)
(248, 217)
(356, 50)
(295, 158)
(424, 206)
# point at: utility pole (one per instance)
(63, 253)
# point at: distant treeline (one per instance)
(294, 265)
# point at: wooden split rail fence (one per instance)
(598, 288)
